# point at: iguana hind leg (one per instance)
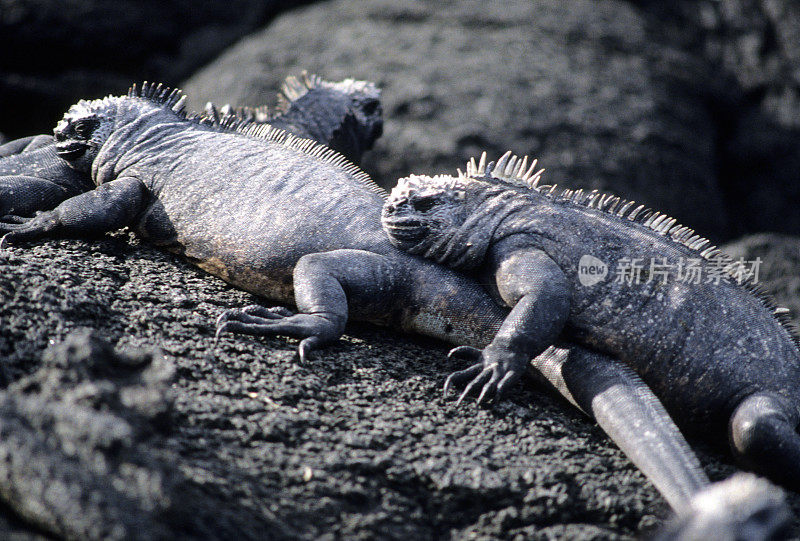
(763, 435)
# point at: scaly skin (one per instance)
(33, 177)
(715, 353)
(293, 222)
(345, 116)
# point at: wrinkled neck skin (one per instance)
(464, 246)
(134, 124)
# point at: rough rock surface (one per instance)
(357, 443)
(75, 443)
(614, 95)
(57, 51)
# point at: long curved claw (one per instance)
(479, 380)
(464, 352)
(305, 347)
(489, 388)
(462, 375)
(17, 228)
(314, 330)
(14, 219)
(494, 370)
(273, 312)
(253, 314)
(504, 385)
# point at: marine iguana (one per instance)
(717, 352)
(344, 115)
(244, 203)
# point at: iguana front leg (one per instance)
(110, 206)
(329, 287)
(536, 290)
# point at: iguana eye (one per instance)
(424, 204)
(84, 127)
(371, 107)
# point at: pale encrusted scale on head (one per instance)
(422, 184)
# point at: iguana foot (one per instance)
(741, 507)
(315, 330)
(494, 371)
(16, 228)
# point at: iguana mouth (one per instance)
(405, 229)
(71, 151)
(403, 223)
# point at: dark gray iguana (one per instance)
(293, 221)
(345, 116)
(717, 353)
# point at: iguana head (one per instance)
(421, 208)
(453, 220)
(355, 105)
(438, 217)
(83, 130)
(366, 108)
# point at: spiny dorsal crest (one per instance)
(509, 169)
(217, 116)
(229, 121)
(294, 88)
(160, 94)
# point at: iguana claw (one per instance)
(494, 372)
(260, 321)
(23, 228)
